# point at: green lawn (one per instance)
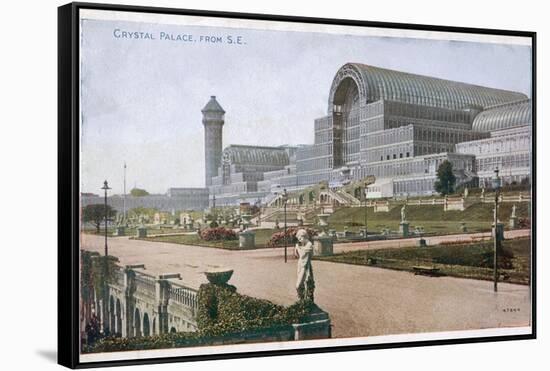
(463, 260)
(262, 238)
(477, 217)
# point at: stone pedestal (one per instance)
(315, 326)
(404, 229)
(120, 231)
(141, 232)
(322, 246)
(247, 240)
(381, 207)
(513, 222)
(499, 230)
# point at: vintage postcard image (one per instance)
(253, 185)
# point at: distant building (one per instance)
(175, 199)
(394, 125)
(244, 167)
(88, 194)
(508, 145)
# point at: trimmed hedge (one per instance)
(222, 311)
(117, 344)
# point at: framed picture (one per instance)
(237, 185)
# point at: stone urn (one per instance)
(323, 223)
(218, 276)
(323, 220)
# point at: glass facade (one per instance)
(395, 126)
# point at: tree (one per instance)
(137, 211)
(446, 180)
(95, 214)
(137, 192)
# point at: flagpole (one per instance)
(124, 198)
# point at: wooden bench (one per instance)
(426, 270)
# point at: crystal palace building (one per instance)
(394, 125)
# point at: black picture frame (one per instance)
(68, 182)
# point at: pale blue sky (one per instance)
(141, 99)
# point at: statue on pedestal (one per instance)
(513, 218)
(403, 214)
(305, 285)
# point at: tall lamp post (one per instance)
(259, 203)
(496, 182)
(105, 264)
(105, 188)
(366, 208)
(285, 199)
(124, 197)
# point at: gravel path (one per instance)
(362, 301)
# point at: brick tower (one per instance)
(212, 119)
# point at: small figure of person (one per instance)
(92, 330)
(305, 285)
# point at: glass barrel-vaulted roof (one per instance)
(375, 83)
(504, 116)
(255, 155)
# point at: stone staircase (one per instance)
(349, 199)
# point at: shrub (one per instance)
(218, 233)
(524, 223)
(117, 344)
(456, 243)
(278, 238)
(504, 259)
(223, 311)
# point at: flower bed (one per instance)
(216, 234)
(278, 238)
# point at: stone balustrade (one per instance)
(183, 295)
(141, 304)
